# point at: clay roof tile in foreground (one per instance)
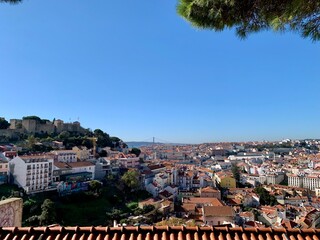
(160, 233)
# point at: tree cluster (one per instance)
(265, 197)
(47, 216)
(131, 180)
(135, 151)
(249, 16)
(236, 172)
(10, 1)
(4, 124)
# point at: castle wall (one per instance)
(45, 128)
(11, 132)
(33, 126)
(15, 123)
(59, 126)
(30, 125)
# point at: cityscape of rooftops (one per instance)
(168, 113)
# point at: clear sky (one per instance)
(135, 69)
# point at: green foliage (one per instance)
(8, 190)
(131, 179)
(135, 151)
(10, 1)
(138, 211)
(148, 208)
(103, 153)
(236, 172)
(103, 139)
(63, 135)
(32, 118)
(32, 221)
(132, 205)
(247, 16)
(265, 197)
(173, 221)
(31, 141)
(95, 186)
(33, 145)
(48, 214)
(4, 124)
(28, 203)
(115, 214)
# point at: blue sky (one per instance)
(135, 69)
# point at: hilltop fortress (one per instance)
(35, 125)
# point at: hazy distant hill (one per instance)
(140, 144)
(144, 144)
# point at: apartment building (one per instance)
(74, 171)
(83, 154)
(130, 162)
(4, 168)
(309, 181)
(32, 173)
(65, 156)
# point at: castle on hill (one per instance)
(35, 125)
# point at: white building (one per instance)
(83, 167)
(129, 162)
(308, 181)
(32, 173)
(65, 156)
(4, 168)
(83, 154)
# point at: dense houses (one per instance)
(210, 184)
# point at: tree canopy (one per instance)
(10, 1)
(131, 179)
(265, 197)
(248, 16)
(135, 151)
(48, 214)
(4, 124)
(236, 172)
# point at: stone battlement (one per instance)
(34, 125)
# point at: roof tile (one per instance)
(157, 233)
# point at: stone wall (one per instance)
(18, 126)
(11, 132)
(11, 212)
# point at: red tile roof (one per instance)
(220, 211)
(161, 233)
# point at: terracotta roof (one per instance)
(154, 167)
(148, 233)
(39, 156)
(61, 165)
(209, 189)
(80, 164)
(202, 200)
(221, 211)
